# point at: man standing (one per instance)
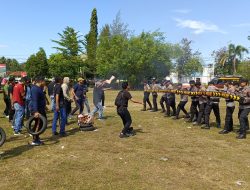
(122, 110)
(18, 103)
(27, 98)
(244, 108)
(78, 93)
(67, 99)
(212, 104)
(195, 102)
(51, 87)
(170, 100)
(183, 102)
(38, 106)
(163, 99)
(202, 104)
(11, 104)
(230, 89)
(146, 97)
(155, 87)
(6, 97)
(60, 109)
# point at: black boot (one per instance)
(144, 108)
(224, 131)
(241, 136)
(205, 126)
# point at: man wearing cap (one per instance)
(182, 103)
(244, 108)
(212, 104)
(78, 93)
(230, 89)
(146, 97)
(194, 104)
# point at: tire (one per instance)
(2, 136)
(29, 125)
(90, 128)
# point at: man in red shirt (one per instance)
(18, 103)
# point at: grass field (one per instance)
(165, 154)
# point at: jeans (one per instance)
(62, 116)
(27, 109)
(126, 119)
(52, 99)
(19, 113)
(79, 105)
(98, 108)
(86, 103)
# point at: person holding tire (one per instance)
(38, 107)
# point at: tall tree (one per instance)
(233, 56)
(118, 27)
(70, 42)
(91, 45)
(11, 64)
(37, 64)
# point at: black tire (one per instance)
(90, 128)
(29, 125)
(2, 136)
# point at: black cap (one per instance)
(243, 80)
(191, 82)
(198, 83)
(211, 82)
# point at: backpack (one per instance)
(119, 99)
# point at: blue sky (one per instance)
(27, 25)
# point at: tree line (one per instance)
(116, 50)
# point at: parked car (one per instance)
(221, 80)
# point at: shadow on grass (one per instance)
(139, 131)
(17, 151)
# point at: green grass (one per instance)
(194, 158)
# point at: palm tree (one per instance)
(233, 55)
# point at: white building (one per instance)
(206, 76)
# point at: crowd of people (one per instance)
(201, 106)
(26, 98)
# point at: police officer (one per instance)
(202, 104)
(182, 103)
(155, 86)
(230, 89)
(195, 102)
(244, 108)
(146, 97)
(170, 100)
(212, 104)
(163, 99)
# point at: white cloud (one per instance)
(241, 25)
(198, 27)
(182, 11)
(3, 46)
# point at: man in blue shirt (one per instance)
(38, 106)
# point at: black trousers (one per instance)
(7, 106)
(201, 113)
(181, 107)
(243, 117)
(162, 101)
(215, 107)
(194, 110)
(171, 104)
(126, 119)
(155, 106)
(146, 100)
(229, 119)
(103, 100)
